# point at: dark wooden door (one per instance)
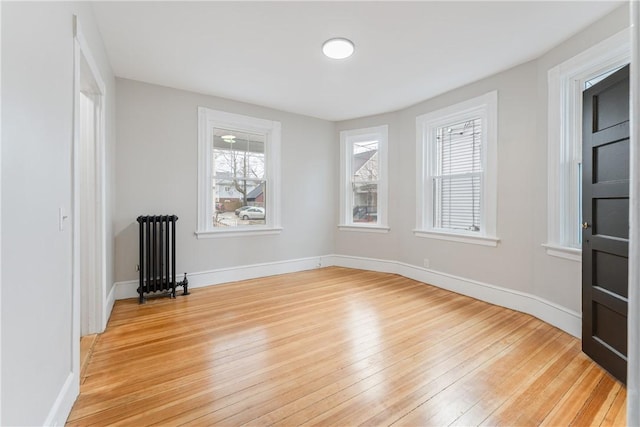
(605, 212)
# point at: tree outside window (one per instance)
(239, 181)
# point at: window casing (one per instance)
(566, 82)
(238, 167)
(456, 165)
(364, 179)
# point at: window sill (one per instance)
(460, 238)
(237, 233)
(364, 228)
(565, 252)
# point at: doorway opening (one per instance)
(90, 280)
(89, 254)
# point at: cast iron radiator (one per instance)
(158, 256)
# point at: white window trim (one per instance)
(364, 228)
(565, 86)
(458, 237)
(381, 133)
(486, 107)
(572, 254)
(207, 120)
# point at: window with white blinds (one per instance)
(456, 185)
(457, 177)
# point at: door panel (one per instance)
(609, 164)
(610, 106)
(610, 272)
(611, 217)
(607, 329)
(605, 207)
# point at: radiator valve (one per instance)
(185, 285)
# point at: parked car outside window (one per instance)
(240, 209)
(252, 213)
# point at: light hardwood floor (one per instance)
(86, 348)
(336, 346)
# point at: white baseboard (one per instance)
(231, 274)
(554, 314)
(64, 402)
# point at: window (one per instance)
(566, 82)
(238, 174)
(363, 191)
(238, 177)
(456, 180)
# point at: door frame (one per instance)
(97, 301)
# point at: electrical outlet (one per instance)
(426, 263)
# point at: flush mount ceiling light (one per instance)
(338, 48)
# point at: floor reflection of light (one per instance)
(233, 340)
(239, 354)
(364, 328)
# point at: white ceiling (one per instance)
(269, 53)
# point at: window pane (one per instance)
(238, 154)
(239, 202)
(365, 202)
(457, 202)
(458, 148)
(601, 77)
(364, 161)
(238, 178)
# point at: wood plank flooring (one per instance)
(86, 348)
(337, 346)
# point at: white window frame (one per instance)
(566, 83)
(347, 139)
(209, 119)
(485, 107)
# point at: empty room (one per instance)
(319, 213)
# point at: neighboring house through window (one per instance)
(238, 174)
(456, 183)
(364, 182)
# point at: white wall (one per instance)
(519, 263)
(157, 173)
(37, 131)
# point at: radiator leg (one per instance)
(141, 298)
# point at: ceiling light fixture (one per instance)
(338, 48)
(228, 138)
